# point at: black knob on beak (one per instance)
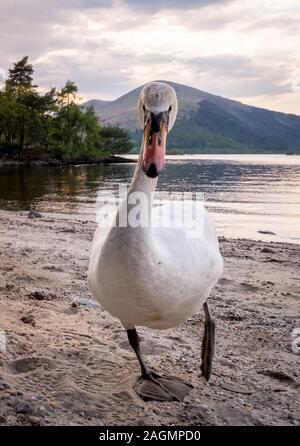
(152, 171)
(155, 122)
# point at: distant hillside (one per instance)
(210, 123)
(97, 104)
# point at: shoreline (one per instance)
(69, 359)
(133, 157)
(56, 163)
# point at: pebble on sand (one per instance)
(23, 407)
(28, 319)
(34, 214)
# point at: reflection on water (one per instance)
(244, 196)
(60, 189)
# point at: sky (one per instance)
(248, 50)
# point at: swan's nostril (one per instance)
(152, 171)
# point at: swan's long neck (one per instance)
(141, 182)
(140, 193)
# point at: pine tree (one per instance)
(20, 84)
(20, 77)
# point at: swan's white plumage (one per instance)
(155, 277)
(158, 97)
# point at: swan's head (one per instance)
(157, 109)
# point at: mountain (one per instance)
(97, 104)
(210, 123)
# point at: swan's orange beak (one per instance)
(154, 147)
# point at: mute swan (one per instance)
(155, 276)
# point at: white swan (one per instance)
(155, 276)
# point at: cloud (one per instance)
(155, 5)
(235, 48)
(237, 75)
(226, 64)
(227, 75)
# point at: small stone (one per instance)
(13, 393)
(28, 319)
(11, 402)
(21, 417)
(267, 250)
(37, 295)
(74, 305)
(3, 419)
(141, 422)
(225, 362)
(35, 421)
(34, 214)
(40, 411)
(23, 407)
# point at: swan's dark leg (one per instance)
(150, 385)
(208, 344)
(134, 341)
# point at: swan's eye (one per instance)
(144, 108)
(170, 108)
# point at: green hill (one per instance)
(210, 123)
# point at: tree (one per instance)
(52, 124)
(19, 84)
(8, 118)
(20, 77)
(67, 97)
(115, 140)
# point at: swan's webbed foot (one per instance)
(208, 344)
(153, 387)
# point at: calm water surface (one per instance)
(244, 193)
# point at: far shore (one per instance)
(273, 158)
(58, 162)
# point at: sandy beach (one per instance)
(67, 361)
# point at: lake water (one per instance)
(244, 193)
